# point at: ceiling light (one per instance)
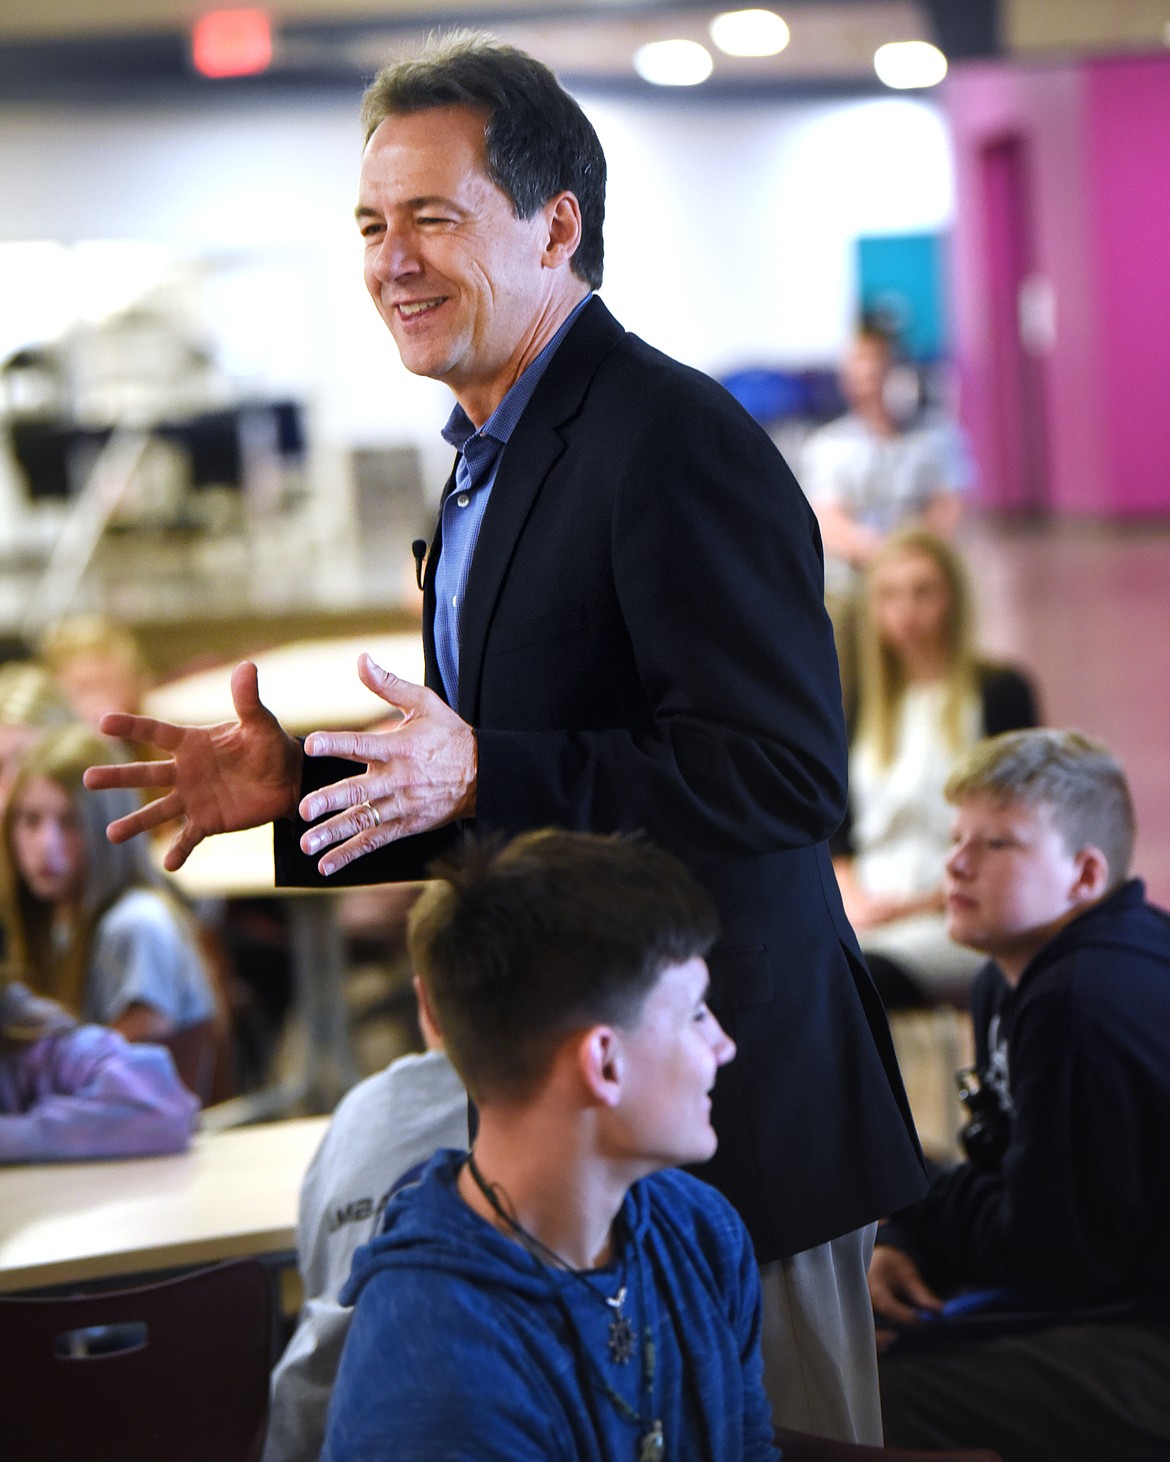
(673, 63)
(906, 64)
(749, 32)
(231, 43)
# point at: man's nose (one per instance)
(393, 257)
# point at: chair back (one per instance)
(801, 1447)
(169, 1372)
(193, 1049)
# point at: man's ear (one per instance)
(563, 217)
(599, 1063)
(1092, 879)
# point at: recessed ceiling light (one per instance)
(906, 64)
(749, 32)
(673, 63)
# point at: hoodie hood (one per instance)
(429, 1226)
(1122, 921)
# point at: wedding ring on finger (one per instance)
(374, 813)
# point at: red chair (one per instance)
(169, 1372)
(801, 1447)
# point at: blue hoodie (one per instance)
(461, 1349)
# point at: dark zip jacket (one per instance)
(1076, 1214)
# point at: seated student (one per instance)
(554, 1294)
(89, 924)
(924, 697)
(382, 1134)
(1065, 1195)
(75, 1091)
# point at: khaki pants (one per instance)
(820, 1359)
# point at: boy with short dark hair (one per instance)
(554, 1294)
(1065, 1197)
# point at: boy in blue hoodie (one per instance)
(556, 1294)
(1064, 1199)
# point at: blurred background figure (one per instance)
(30, 700)
(924, 696)
(89, 924)
(98, 665)
(881, 466)
(81, 1091)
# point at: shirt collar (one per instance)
(502, 422)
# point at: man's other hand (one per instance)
(420, 774)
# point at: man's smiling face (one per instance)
(454, 273)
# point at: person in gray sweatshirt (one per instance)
(382, 1135)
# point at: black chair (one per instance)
(170, 1372)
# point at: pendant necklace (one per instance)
(621, 1341)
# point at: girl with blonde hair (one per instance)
(89, 923)
(924, 697)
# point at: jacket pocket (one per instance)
(740, 975)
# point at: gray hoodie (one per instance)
(385, 1128)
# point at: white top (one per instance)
(143, 951)
(901, 820)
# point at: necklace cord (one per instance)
(651, 1441)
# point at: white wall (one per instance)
(729, 232)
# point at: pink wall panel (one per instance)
(1042, 110)
(1127, 106)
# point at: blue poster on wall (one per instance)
(901, 282)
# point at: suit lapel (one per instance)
(532, 452)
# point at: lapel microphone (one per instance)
(419, 549)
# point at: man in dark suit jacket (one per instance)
(624, 632)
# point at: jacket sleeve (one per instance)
(89, 1093)
(738, 744)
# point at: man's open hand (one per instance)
(220, 778)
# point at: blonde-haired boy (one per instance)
(1064, 1198)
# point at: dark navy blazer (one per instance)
(645, 647)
